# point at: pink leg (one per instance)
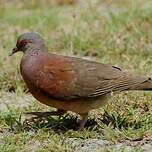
(83, 121)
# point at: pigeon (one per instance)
(71, 83)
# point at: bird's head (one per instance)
(24, 41)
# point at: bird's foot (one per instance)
(83, 121)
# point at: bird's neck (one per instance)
(34, 48)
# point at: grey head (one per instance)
(26, 39)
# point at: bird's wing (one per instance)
(70, 78)
(96, 79)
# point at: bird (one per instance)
(71, 83)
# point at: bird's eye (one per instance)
(23, 43)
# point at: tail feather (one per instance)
(146, 85)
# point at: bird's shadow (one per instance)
(63, 124)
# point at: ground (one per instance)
(115, 32)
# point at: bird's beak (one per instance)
(14, 51)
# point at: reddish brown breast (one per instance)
(51, 73)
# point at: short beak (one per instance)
(13, 51)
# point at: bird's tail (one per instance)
(145, 85)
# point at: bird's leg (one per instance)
(83, 121)
(38, 115)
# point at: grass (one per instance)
(119, 33)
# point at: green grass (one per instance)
(116, 32)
